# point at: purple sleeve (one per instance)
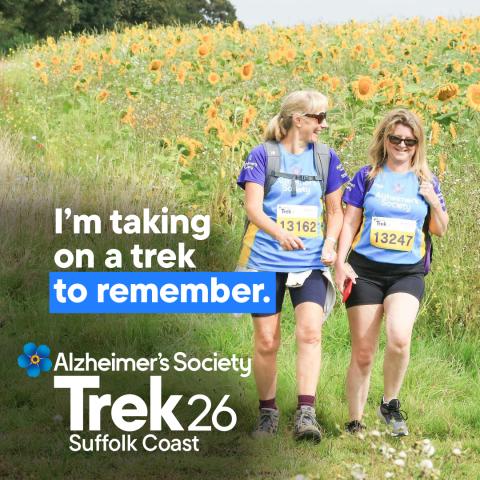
(436, 188)
(337, 175)
(355, 191)
(255, 167)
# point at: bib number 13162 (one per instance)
(301, 220)
(393, 233)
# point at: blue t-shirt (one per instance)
(301, 214)
(393, 216)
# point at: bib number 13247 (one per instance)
(301, 220)
(393, 233)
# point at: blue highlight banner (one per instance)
(162, 292)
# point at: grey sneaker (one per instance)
(267, 423)
(306, 425)
(391, 414)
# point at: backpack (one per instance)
(321, 154)
(427, 259)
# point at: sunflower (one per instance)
(155, 65)
(55, 60)
(102, 96)
(135, 48)
(132, 94)
(453, 131)
(246, 71)
(212, 112)
(77, 67)
(128, 117)
(181, 75)
(203, 50)
(38, 64)
(213, 78)
(248, 117)
(290, 54)
(473, 96)
(468, 68)
(44, 78)
(364, 88)
(435, 133)
(447, 92)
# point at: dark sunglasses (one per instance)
(409, 142)
(319, 116)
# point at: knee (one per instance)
(267, 344)
(399, 346)
(363, 359)
(309, 335)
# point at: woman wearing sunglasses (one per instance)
(284, 234)
(391, 204)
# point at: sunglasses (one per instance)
(319, 116)
(409, 142)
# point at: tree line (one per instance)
(25, 21)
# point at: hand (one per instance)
(343, 272)
(428, 193)
(329, 255)
(289, 242)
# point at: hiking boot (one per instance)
(354, 427)
(391, 414)
(306, 425)
(267, 423)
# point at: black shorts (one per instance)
(378, 280)
(314, 289)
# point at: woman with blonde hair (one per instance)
(393, 205)
(289, 181)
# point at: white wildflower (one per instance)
(375, 433)
(389, 474)
(457, 452)
(34, 138)
(426, 465)
(399, 462)
(428, 450)
(358, 473)
(402, 454)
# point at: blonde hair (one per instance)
(377, 152)
(301, 101)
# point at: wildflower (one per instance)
(364, 88)
(457, 452)
(55, 60)
(473, 96)
(132, 94)
(358, 473)
(425, 465)
(155, 65)
(428, 449)
(213, 78)
(246, 71)
(389, 474)
(181, 75)
(375, 433)
(102, 96)
(447, 92)
(290, 54)
(250, 114)
(399, 462)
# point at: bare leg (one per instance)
(400, 313)
(309, 319)
(266, 344)
(365, 322)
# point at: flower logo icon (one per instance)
(34, 359)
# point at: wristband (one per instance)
(332, 240)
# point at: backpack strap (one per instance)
(321, 154)
(273, 165)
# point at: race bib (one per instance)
(301, 220)
(393, 233)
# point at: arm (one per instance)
(351, 224)
(254, 208)
(438, 216)
(334, 214)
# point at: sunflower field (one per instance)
(165, 117)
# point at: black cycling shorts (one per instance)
(314, 289)
(378, 280)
